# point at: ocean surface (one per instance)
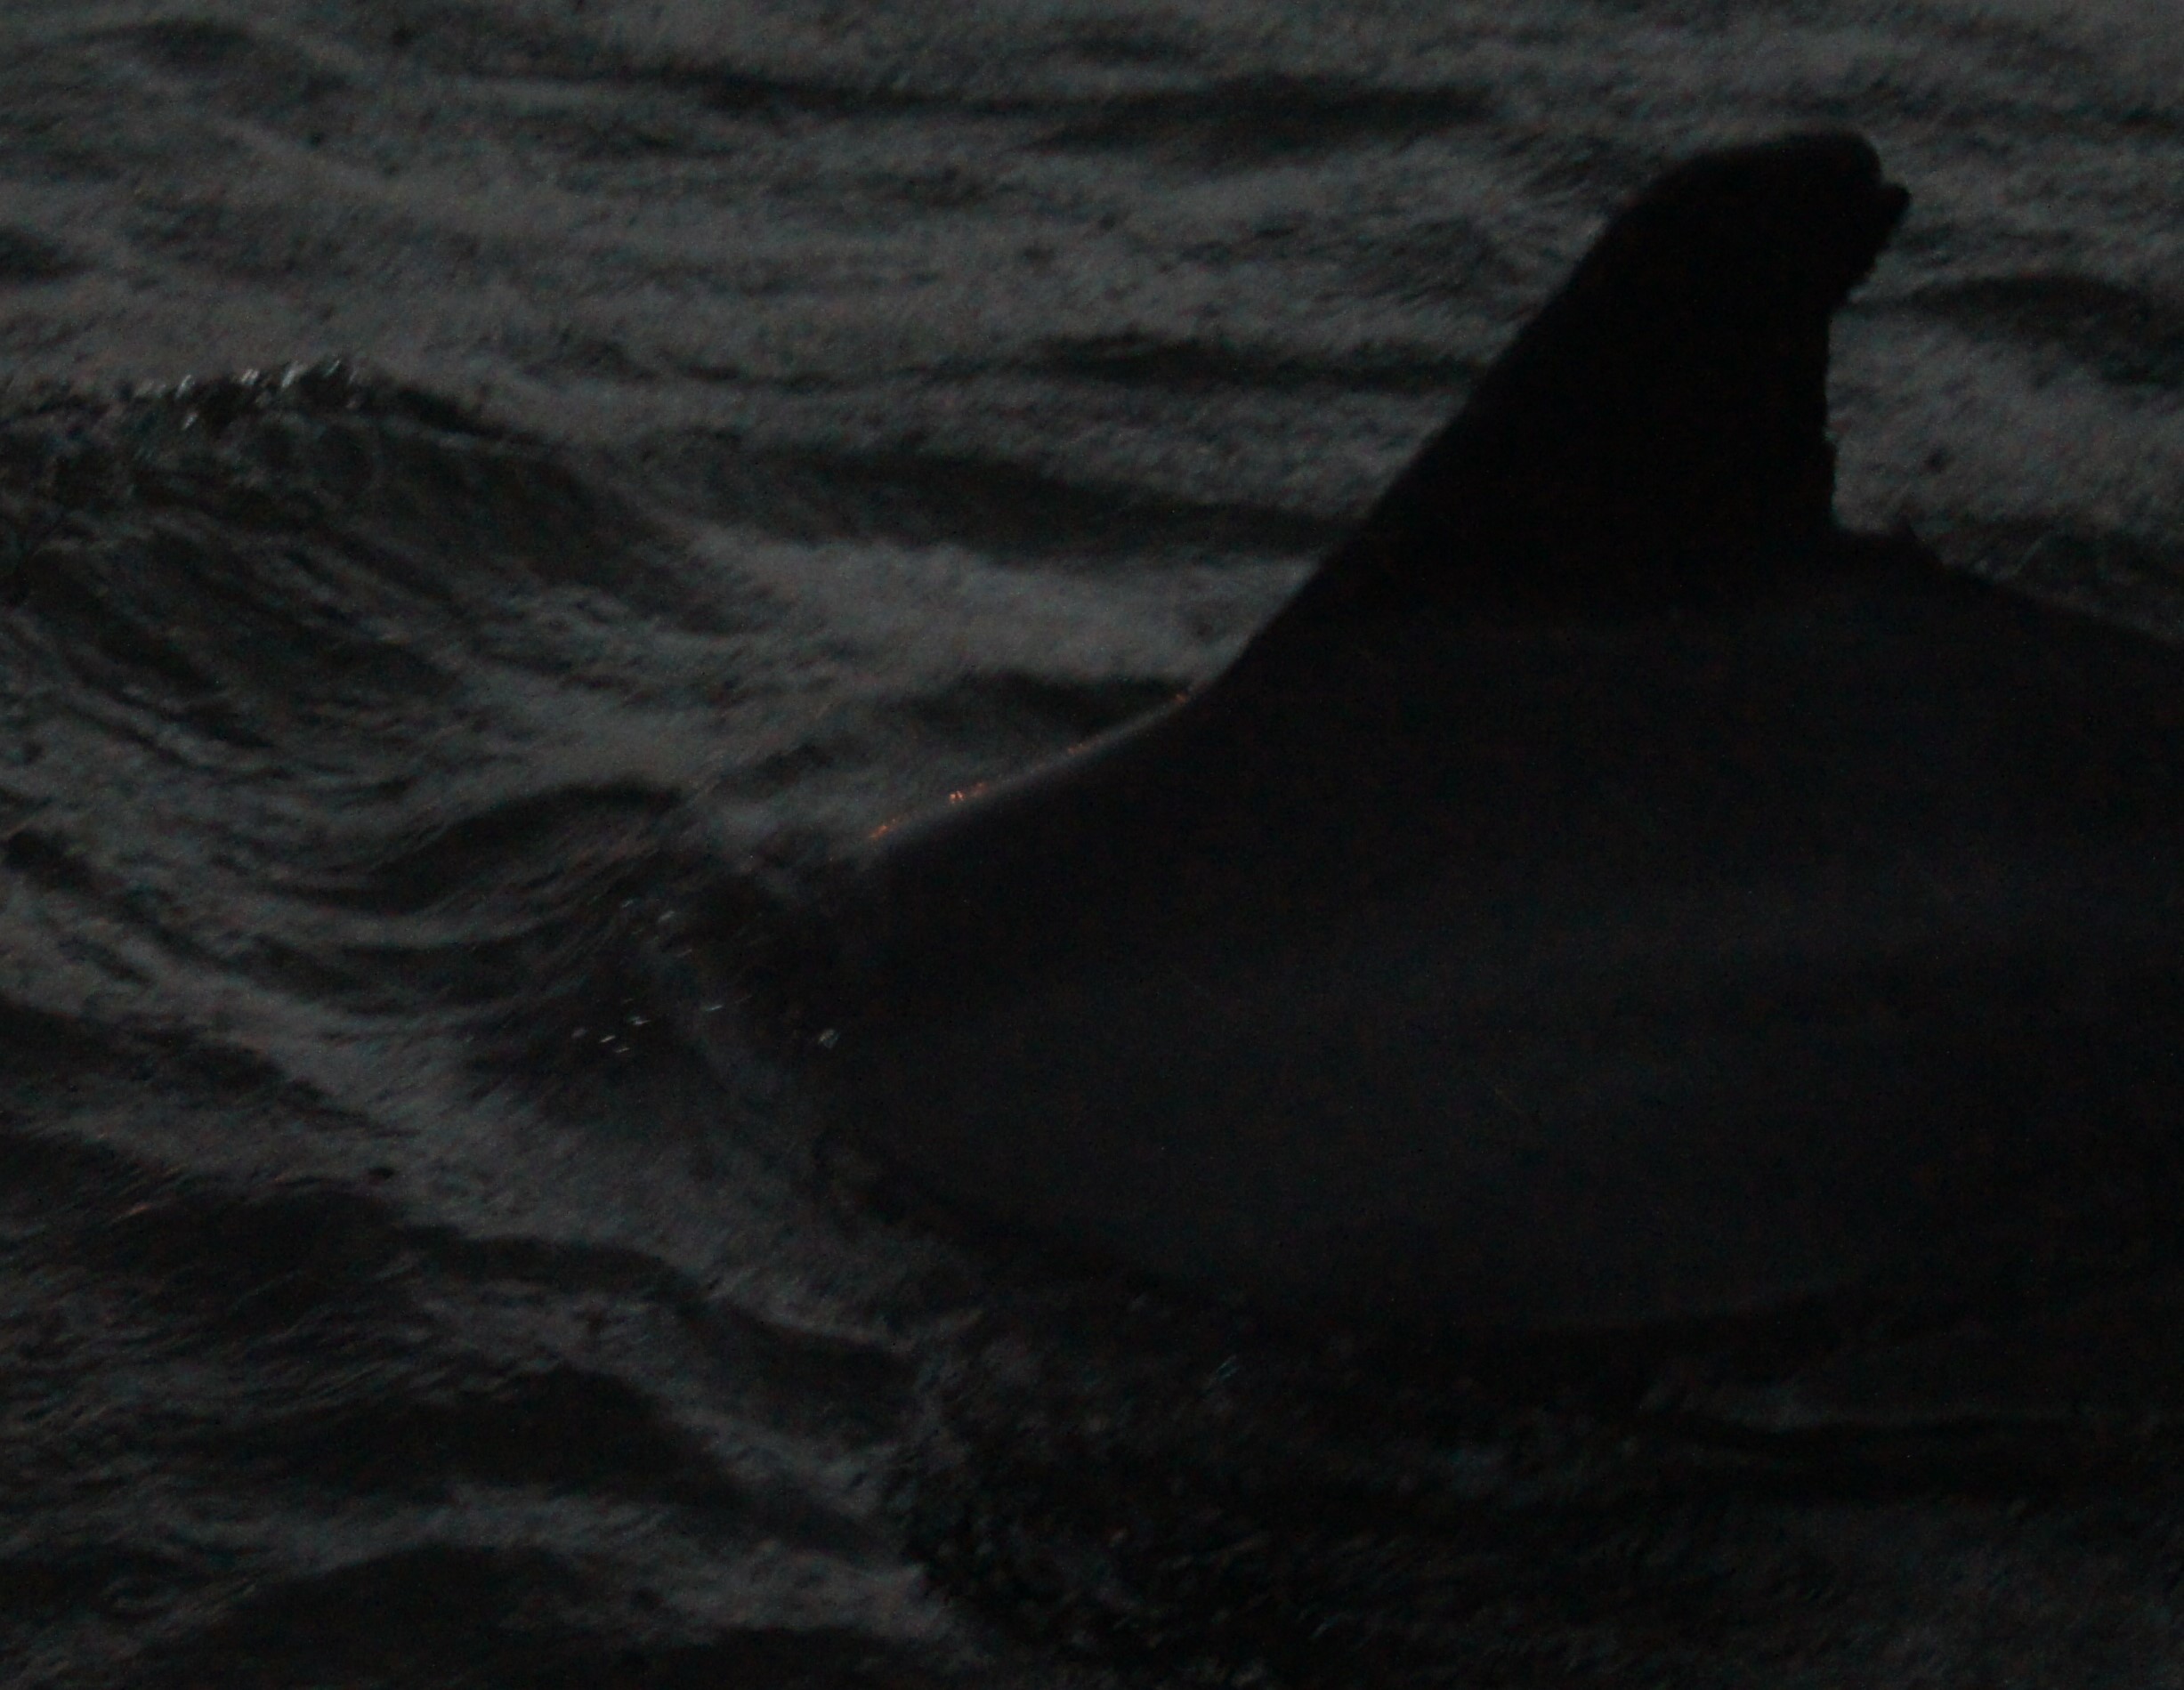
(482, 479)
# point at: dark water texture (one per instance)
(410, 1273)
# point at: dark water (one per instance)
(410, 1274)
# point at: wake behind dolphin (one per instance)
(1609, 893)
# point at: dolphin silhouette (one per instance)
(1608, 893)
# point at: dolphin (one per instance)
(1610, 893)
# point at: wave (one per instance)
(410, 1262)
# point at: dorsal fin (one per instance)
(1660, 423)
